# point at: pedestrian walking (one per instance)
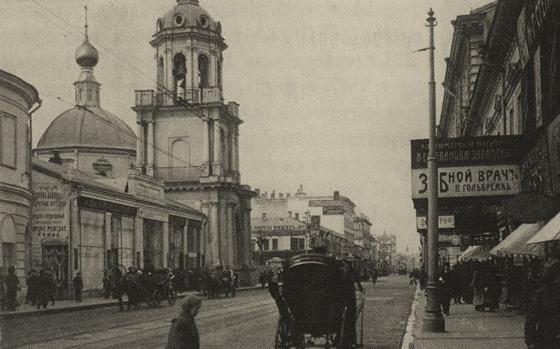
(31, 296)
(43, 290)
(422, 277)
(78, 287)
(12, 286)
(445, 289)
(52, 287)
(479, 287)
(374, 276)
(107, 285)
(542, 324)
(183, 333)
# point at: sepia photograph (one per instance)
(286, 174)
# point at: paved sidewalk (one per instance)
(65, 306)
(466, 328)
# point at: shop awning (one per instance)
(550, 232)
(476, 252)
(516, 242)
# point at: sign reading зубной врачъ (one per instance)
(466, 181)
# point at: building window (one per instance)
(274, 244)
(203, 71)
(297, 244)
(266, 245)
(179, 75)
(8, 140)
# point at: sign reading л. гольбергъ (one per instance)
(469, 167)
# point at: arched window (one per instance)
(160, 75)
(179, 75)
(180, 153)
(203, 71)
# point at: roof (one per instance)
(187, 13)
(94, 182)
(90, 127)
(516, 242)
(13, 82)
(550, 232)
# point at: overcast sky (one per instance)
(330, 91)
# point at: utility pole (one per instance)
(433, 321)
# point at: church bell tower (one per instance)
(188, 136)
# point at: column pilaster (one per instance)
(140, 147)
(150, 157)
(205, 148)
(217, 165)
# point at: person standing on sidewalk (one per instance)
(542, 324)
(12, 285)
(183, 333)
(78, 287)
(43, 290)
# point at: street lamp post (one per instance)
(433, 321)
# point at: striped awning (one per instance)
(550, 232)
(516, 242)
(480, 253)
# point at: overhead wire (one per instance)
(123, 62)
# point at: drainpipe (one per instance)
(30, 169)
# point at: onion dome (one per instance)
(187, 13)
(87, 56)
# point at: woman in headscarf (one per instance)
(183, 333)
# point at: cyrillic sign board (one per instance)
(453, 152)
(333, 210)
(445, 222)
(153, 215)
(469, 181)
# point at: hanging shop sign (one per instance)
(469, 181)
(445, 222)
(480, 239)
(152, 214)
(453, 152)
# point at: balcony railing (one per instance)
(149, 98)
(189, 173)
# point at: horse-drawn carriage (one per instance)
(318, 305)
(222, 282)
(149, 288)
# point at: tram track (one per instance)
(226, 315)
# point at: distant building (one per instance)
(16, 102)
(335, 213)
(387, 251)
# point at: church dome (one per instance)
(78, 128)
(187, 13)
(87, 56)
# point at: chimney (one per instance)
(297, 216)
(273, 194)
(290, 214)
(336, 195)
(280, 195)
(56, 159)
(266, 194)
(258, 191)
(287, 195)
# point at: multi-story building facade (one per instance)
(189, 138)
(513, 80)
(17, 100)
(387, 252)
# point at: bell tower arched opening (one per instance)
(203, 71)
(160, 75)
(179, 76)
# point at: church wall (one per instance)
(170, 129)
